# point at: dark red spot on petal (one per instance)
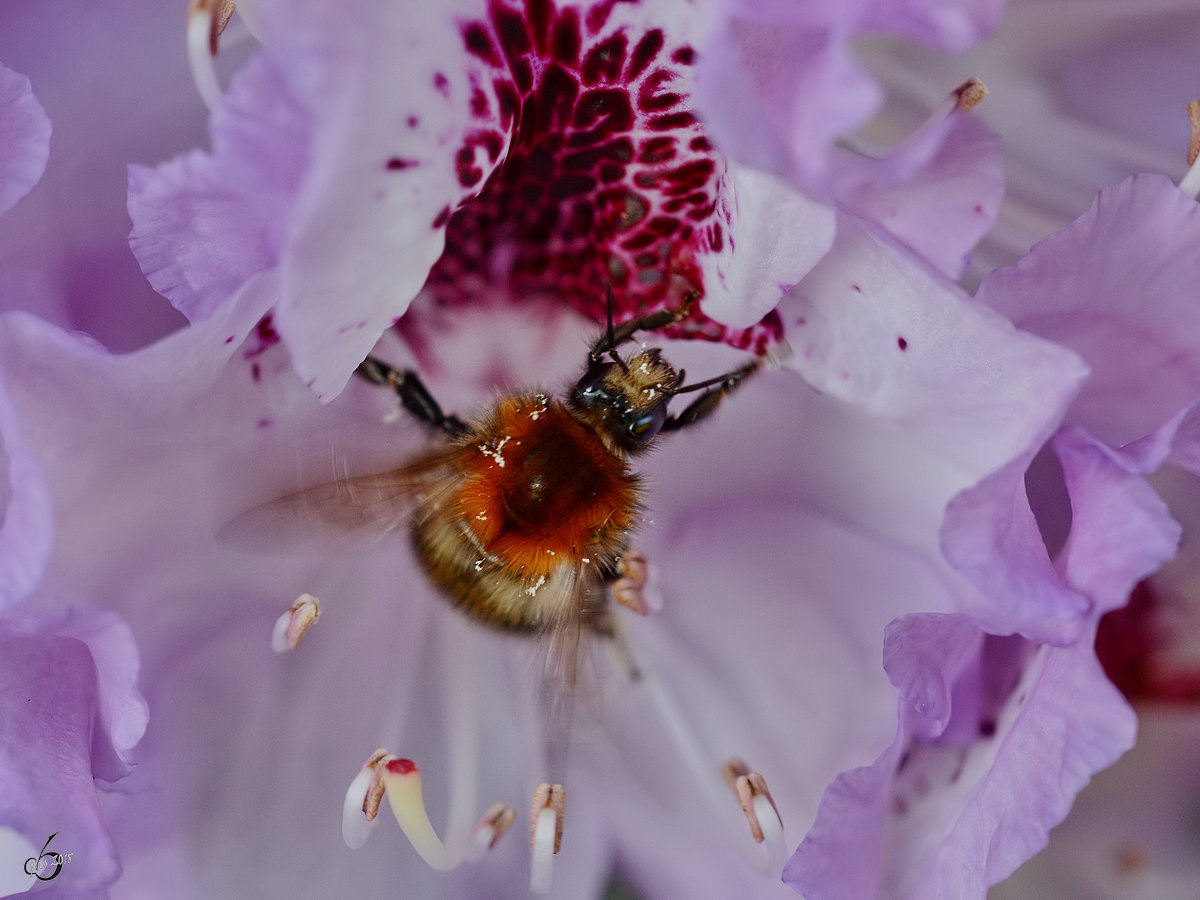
(657, 150)
(442, 83)
(672, 122)
(901, 343)
(479, 42)
(510, 28)
(604, 108)
(509, 100)
(538, 13)
(552, 103)
(605, 61)
(442, 218)
(691, 175)
(644, 53)
(522, 74)
(685, 56)
(597, 16)
(397, 163)
(565, 39)
(479, 103)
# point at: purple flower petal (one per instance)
(1043, 721)
(1121, 530)
(990, 535)
(872, 326)
(777, 86)
(775, 236)
(937, 193)
(71, 713)
(27, 530)
(203, 224)
(1131, 832)
(24, 138)
(1118, 287)
(953, 26)
(309, 173)
(64, 249)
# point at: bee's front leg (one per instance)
(614, 337)
(704, 405)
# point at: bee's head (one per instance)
(626, 400)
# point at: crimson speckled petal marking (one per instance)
(605, 176)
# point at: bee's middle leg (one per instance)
(413, 394)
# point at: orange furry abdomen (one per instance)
(540, 488)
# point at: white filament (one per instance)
(541, 870)
(704, 771)
(1190, 184)
(200, 58)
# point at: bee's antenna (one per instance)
(608, 314)
(609, 331)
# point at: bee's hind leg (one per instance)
(412, 393)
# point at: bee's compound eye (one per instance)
(592, 382)
(648, 424)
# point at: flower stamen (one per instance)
(291, 627)
(1190, 184)
(495, 822)
(751, 790)
(963, 98)
(206, 20)
(766, 825)
(546, 827)
(629, 589)
(967, 94)
(363, 799)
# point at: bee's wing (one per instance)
(561, 657)
(380, 502)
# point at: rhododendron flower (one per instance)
(845, 580)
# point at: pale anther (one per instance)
(969, 93)
(633, 566)
(495, 822)
(753, 795)
(631, 595)
(374, 795)
(549, 797)
(630, 589)
(216, 13)
(362, 801)
(291, 627)
(546, 828)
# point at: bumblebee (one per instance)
(523, 517)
